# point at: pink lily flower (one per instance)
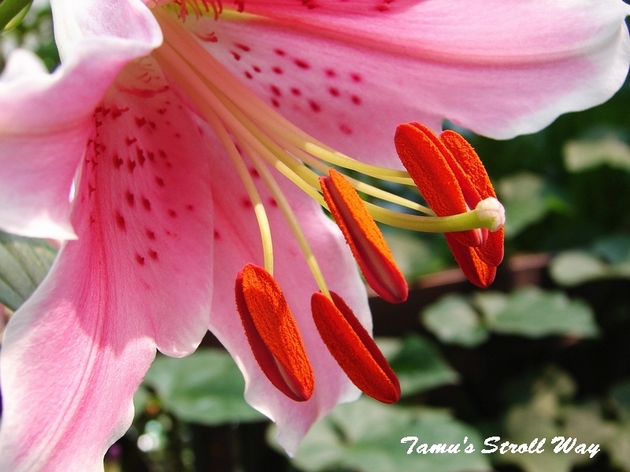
(169, 149)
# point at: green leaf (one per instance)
(523, 196)
(454, 321)
(205, 387)
(24, 263)
(614, 249)
(366, 436)
(12, 12)
(535, 313)
(608, 258)
(548, 413)
(572, 268)
(418, 364)
(585, 154)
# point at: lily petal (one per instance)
(44, 126)
(237, 243)
(138, 277)
(349, 73)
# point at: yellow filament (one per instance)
(237, 114)
(291, 219)
(164, 56)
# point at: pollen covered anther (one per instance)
(354, 349)
(272, 333)
(452, 179)
(364, 238)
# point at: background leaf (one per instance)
(205, 387)
(24, 263)
(348, 439)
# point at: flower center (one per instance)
(252, 131)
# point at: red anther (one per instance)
(272, 333)
(452, 179)
(364, 238)
(354, 349)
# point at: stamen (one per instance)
(471, 262)
(491, 252)
(272, 333)
(250, 187)
(353, 348)
(291, 219)
(364, 238)
(439, 177)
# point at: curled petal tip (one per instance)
(364, 238)
(354, 349)
(272, 333)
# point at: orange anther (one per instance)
(354, 349)
(272, 333)
(364, 238)
(452, 179)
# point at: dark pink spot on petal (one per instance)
(330, 73)
(131, 165)
(190, 207)
(296, 91)
(159, 181)
(273, 202)
(314, 106)
(140, 156)
(130, 141)
(117, 162)
(139, 259)
(171, 213)
(275, 103)
(356, 77)
(242, 47)
(277, 70)
(130, 198)
(256, 69)
(248, 74)
(236, 55)
(153, 254)
(333, 91)
(140, 122)
(345, 129)
(276, 91)
(120, 222)
(146, 204)
(150, 234)
(279, 52)
(246, 202)
(356, 100)
(302, 64)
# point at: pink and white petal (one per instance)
(85, 23)
(350, 72)
(237, 242)
(44, 126)
(69, 368)
(138, 277)
(147, 206)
